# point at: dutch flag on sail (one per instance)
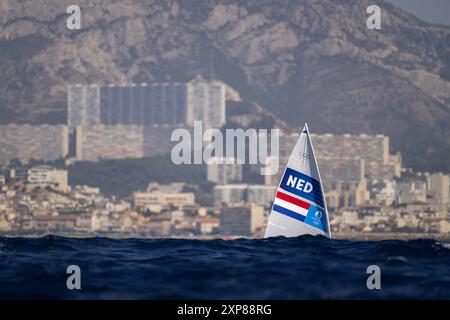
(290, 206)
(300, 210)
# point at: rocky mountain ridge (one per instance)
(298, 59)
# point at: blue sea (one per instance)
(278, 268)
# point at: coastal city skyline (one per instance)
(367, 188)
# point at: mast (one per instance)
(320, 180)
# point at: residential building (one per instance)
(45, 176)
(120, 141)
(147, 104)
(156, 201)
(345, 158)
(224, 170)
(438, 188)
(261, 195)
(25, 142)
(230, 194)
(242, 220)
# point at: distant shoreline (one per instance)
(373, 236)
(391, 236)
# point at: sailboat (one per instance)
(299, 206)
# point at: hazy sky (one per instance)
(436, 11)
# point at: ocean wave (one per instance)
(278, 268)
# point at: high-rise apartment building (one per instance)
(83, 102)
(122, 141)
(346, 146)
(347, 157)
(438, 188)
(147, 104)
(25, 142)
(109, 142)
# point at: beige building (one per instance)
(45, 176)
(362, 195)
(244, 220)
(109, 142)
(207, 225)
(444, 226)
(4, 224)
(350, 218)
(347, 157)
(25, 142)
(438, 188)
(120, 141)
(159, 226)
(156, 201)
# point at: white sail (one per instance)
(299, 207)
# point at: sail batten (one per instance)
(299, 206)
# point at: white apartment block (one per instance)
(25, 142)
(45, 176)
(348, 158)
(148, 104)
(122, 141)
(438, 188)
(155, 201)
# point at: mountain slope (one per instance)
(300, 59)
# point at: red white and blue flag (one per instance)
(291, 206)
